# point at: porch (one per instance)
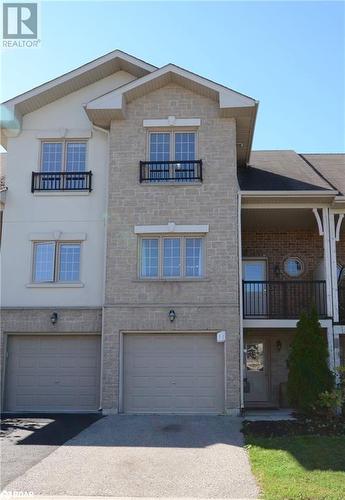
(284, 264)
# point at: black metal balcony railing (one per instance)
(283, 299)
(171, 171)
(61, 181)
(341, 298)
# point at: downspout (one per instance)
(107, 132)
(239, 225)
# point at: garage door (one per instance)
(173, 373)
(52, 373)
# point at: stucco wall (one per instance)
(209, 304)
(27, 213)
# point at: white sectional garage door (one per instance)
(52, 373)
(173, 373)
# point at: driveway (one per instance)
(27, 439)
(147, 456)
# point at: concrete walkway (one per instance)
(147, 456)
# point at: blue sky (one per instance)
(288, 55)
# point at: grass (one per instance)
(299, 467)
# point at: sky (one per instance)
(287, 55)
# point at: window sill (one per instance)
(61, 193)
(172, 183)
(170, 280)
(55, 285)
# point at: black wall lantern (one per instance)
(172, 315)
(54, 318)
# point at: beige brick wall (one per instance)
(210, 304)
(70, 320)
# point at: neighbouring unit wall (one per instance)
(277, 246)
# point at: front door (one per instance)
(254, 288)
(257, 370)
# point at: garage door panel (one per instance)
(173, 373)
(52, 373)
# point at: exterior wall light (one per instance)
(279, 345)
(172, 315)
(54, 318)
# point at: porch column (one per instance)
(327, 260)
(331, 350)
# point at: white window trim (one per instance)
(182, 276)
(61, 134)
(64, 141)
(58, 236)
(55, 282)
(171, 227)
(172, 121)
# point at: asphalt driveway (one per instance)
(25, 440)
(147, 456)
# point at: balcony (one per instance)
(283, 299)
(341, 296)
(61, 181)
(186, 171)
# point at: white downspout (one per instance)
(105, 131)
(239, 225)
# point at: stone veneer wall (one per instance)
(209, 304)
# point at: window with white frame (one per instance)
(173, 147)
(63, 156)
(56, 261)
(171, 257)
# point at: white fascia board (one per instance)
(171, 121)
(79, 71)
(289, 194)
(227, 97)
(279, 323)
(339, 329)
(57, 236)
(171, 228)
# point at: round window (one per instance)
(293, 267)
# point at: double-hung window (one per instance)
(173, 154)
(56, 262)
(172, 257)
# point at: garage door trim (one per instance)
(154, 332)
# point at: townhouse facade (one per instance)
(151, 261)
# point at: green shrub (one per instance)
(309, 374)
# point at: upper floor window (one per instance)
(68, 156)
(171, 157)
(62, 167)
(56, 262)
(173, 146)
(168, 257)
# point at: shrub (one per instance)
(309, 374)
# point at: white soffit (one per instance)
(87, 74)
(226, 97)
(171, 227)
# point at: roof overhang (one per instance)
(14, 109)
(232, 104)
(287, 198)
